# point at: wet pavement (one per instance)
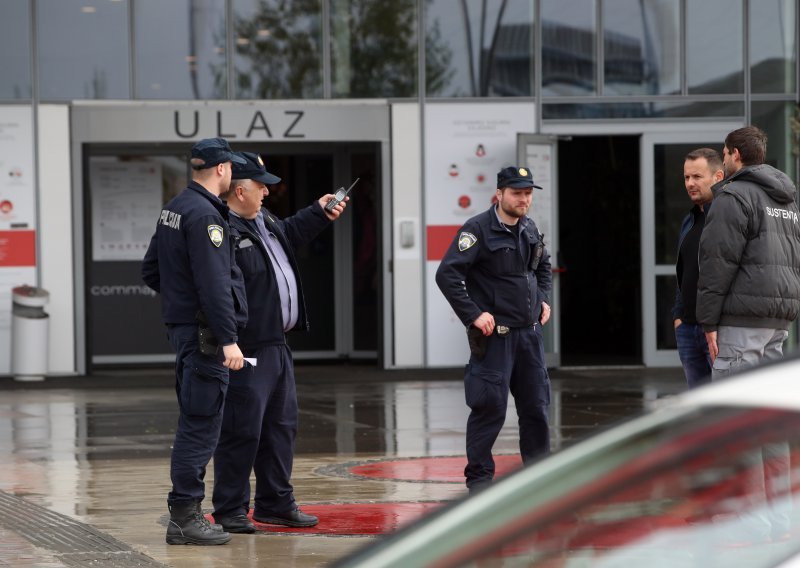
(85, 460)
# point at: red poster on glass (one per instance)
(17, 248)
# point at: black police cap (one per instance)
(213, 151)
(253, 168)
(518, 178)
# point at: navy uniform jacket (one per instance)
(190, 263)
(490, 269)
(265, 321)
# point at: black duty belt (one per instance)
(505, 330)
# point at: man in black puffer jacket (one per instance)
(749, 285)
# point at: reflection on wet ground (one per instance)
(94, 453)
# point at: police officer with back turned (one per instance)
(496, 276)
(190, 263)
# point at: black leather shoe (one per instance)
(476, 488)
(295, 518)
(238, 524)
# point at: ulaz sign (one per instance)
(287, 125)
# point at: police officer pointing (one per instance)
(496, 276)
(260, 419)
(190, 263)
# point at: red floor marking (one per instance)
(354, 518)
(450, 470)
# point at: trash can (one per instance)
(29, 333)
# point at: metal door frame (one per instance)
(332, 123)
(525, 144)
(650, 133)
(342, 279)
(704, 134)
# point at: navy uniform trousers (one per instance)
(513, 362)
(259, 427)
(200, 383)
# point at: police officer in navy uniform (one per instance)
(496, 276)
(190, 262)
(260, 419)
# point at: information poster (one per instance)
(466, 144)
(17, 216)
(17, 195)
(126, 201)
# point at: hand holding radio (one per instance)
(338, 197)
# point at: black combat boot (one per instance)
(214, 526)
(187, 525)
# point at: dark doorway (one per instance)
(599, 240)
(344, 311)
(303, 177)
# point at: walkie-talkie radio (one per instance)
(339, 196)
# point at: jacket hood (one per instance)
(774, 182)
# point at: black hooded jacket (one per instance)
(750, 252)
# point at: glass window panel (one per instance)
(569, 55)
(665, 299)
(734, 109)
(15, 54)
(374, 48)
(365, 291)
(774, 118)
(773, 45)
(641, 42)
(180, 49)
(671, 200)
(83, 49)
(123, 324)
(479, 49)
(278, 49)
(713, 46)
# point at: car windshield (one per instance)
(712, 489)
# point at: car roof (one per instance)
(776, 385)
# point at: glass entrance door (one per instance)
(339, 268)
(127, 186)
(664, 203)
(540, 154)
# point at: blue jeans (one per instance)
(693, 351)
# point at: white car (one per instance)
(704, 479)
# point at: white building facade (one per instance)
(424, 101)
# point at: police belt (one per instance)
(505, 330)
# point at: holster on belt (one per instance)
(206, 341)
(477, 342)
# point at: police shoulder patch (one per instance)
(466, 240)
(215, 233)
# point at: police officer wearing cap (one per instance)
(260, 419)
(190, 262)
(496, 276)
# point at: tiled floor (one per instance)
(95, 451)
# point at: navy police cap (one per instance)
(213, 151)
(253, 168)
(518, 178)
